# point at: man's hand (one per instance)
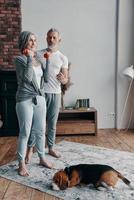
(62, 78)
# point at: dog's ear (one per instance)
(68, 172)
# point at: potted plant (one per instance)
(65, 87)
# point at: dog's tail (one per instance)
(125, 180)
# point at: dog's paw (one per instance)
(55, 187)
(131, 186)
(101, 188)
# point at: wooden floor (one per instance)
(10, 190)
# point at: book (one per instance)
(82, 103)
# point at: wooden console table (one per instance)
(71, 122)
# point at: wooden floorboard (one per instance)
(4, 183)
(108, 138)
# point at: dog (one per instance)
(96, 174)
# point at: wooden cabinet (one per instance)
(77, 122)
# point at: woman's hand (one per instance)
(28, 52)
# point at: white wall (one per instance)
(88, 39)
(125, 59)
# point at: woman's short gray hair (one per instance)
(23, 39)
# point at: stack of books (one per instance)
(82, 104)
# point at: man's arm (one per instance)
(63, 76)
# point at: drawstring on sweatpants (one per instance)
(34, 100)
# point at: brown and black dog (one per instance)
(96, 174)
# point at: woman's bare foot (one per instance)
(54, 153)
(46, 163)
(22, 169)
(29, 155)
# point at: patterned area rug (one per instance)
(74, 153)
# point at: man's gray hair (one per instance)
(53, 30)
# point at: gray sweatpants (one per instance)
(53, 102)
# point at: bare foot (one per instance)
(22, 171)
(29, 155)
(46, 163)
(54, 153)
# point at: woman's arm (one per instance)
(24, 69)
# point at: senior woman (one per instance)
(30, 100)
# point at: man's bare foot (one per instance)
(29, 155)
(46, 163)
(22, 169)
(54, 153)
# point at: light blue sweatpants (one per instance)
(31, 118)
(53, 102)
